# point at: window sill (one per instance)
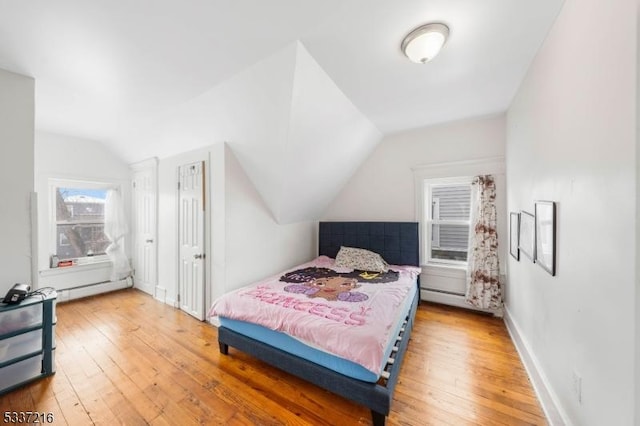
(79, 267)
(445, 266)
(92, 260)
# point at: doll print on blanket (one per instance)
(331, 285)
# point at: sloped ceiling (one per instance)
(118, 71)
(298, 137)
(328, 139)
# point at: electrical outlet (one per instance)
(577, 386)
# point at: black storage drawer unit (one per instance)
(27, 340)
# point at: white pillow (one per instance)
(361, 259)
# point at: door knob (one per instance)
(198, 256)
(149, 241)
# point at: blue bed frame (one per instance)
(398, 243)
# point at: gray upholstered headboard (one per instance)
(397, 242)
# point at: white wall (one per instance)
(16, 172)
(289, 125)
(257, 246)
(637, 251)
(383, 188)
(243, 241)
(571, 139)
(69, 158)
(327, 140)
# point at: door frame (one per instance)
(149, 164)
(204, 158)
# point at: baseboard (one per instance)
(91, 290)
(543, 390)
(147, 288)
(161, 294)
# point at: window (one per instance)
(447, 216)
(79, 220)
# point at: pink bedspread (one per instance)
(344, 312)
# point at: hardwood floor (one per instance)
(124, 358)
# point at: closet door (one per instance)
(191, 237)
(145, 210)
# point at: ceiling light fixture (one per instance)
(423, 43)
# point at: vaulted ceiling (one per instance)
(113, 71)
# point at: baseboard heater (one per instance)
(437, 290)
(87, 290)
(452, 299)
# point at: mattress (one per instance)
(346, 320)
(317, 355)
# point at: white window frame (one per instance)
(53, 222)
(448, 170)
(428, 220)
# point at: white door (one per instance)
(144, 232)
(191, 238)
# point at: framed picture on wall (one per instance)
(514, 235)
(526, 241)
(545, 250)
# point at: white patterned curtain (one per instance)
(115, 228)
(484, 289)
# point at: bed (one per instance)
(373, 386)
